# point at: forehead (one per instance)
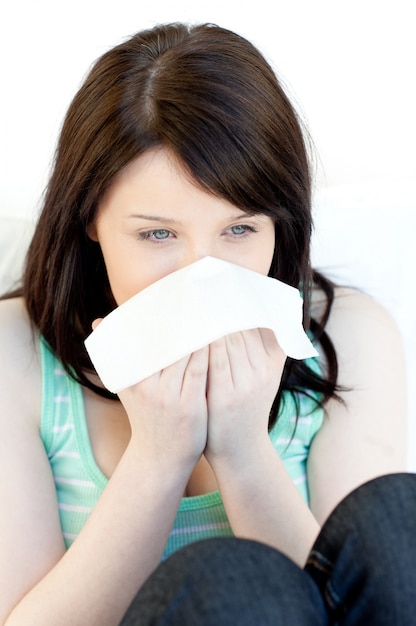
(155, 181)
(155, 171)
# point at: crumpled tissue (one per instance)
(187, 310)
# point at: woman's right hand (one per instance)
(168, 410)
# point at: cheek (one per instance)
(121, 269)
(129, 272)
(118, 277)
(257, 255)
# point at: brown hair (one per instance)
(209, 96)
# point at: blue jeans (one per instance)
(361, 570)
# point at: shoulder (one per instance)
(364, 435)
(20, 369)
(367, 342)
(348, 301)
(368, 346)
(359, 325)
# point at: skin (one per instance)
(168, 436)
(154, 221)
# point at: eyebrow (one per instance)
(170, 220)
(153, 218)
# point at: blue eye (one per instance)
(162, 233)
(239, 229)
(242, 230)
(159, 234)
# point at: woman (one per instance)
(180, 144)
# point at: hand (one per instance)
(244, 374)
(168, 410)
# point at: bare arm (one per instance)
(357, 442)
(95, 580)
(366, 436)
(121, 544)
(260, 498)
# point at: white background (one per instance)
(350, 68)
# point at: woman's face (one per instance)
(153, 221)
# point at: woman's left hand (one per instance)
(245, 369)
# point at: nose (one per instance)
(195, 253)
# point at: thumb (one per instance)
(97, 322)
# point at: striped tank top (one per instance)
(79, 481)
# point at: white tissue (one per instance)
(188, 309)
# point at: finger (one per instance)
(172, 376)
(262, 347)
(270, 343)
(273, 348)
(253, 348)
(170, 379)
(219, 371)
(97, 322)
(238, 358)
(196, 372)
(261, 359)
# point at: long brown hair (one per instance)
(209, 96)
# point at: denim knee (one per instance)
(364, 560)
(219, 582)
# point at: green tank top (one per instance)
(79, 481)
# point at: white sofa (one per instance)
(15, 234)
